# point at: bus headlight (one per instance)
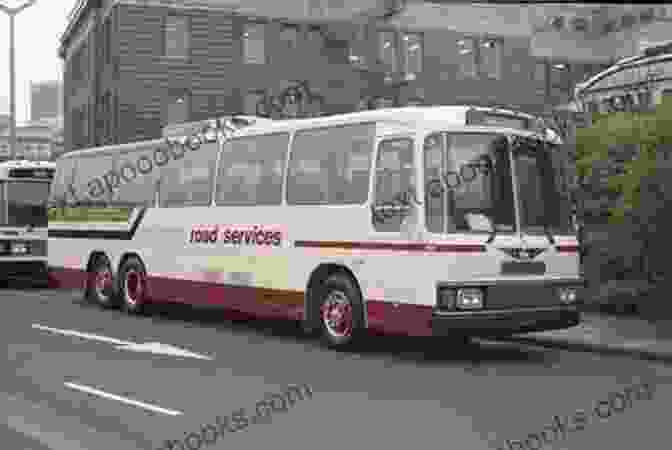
(470, 298)
(567, 295)
(19, 248)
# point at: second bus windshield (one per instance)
(25, 203)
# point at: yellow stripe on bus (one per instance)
(268, 271)
(85, 215)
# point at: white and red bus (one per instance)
(24, 191)
(445, 220)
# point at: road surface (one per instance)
(72, 380)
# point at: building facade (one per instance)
(46, 98)
(34, 142)
(133, 67)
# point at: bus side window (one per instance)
(331, 165)
(187, 181)
(251, 170)
(394, 179)
(136, 188)
(88, 180)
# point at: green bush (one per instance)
(639, 222)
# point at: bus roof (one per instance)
(410, 116)
(112, 149)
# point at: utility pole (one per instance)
(12, 13)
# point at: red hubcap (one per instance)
(133, 287)
(336, 314)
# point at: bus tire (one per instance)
(100, 284)
(340, 310)
(133, 285)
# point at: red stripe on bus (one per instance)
(567, 248)
(418, 247)
(399, 318)
(383, 317)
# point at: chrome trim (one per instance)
(505, 312)
(508, 282)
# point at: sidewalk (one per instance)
(602, 333)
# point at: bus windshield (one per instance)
(26, 204)
(468, 185)
(544, 205)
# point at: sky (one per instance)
(38, 30)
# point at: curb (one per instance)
(632, 348)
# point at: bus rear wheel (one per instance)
(133, 285)
(340, 312)
(100, 284)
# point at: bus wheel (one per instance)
(341, 312)
(100, 284)
(133, 285)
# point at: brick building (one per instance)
(132, 66)
(34, 142)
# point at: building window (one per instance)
(289, 35)
(316, 39)
(85, 126)
(646, 16)
(383, 102)
(580, 24)
(412, 47)
(176, 37)
(539, 75)
(177, 108)
(557, 23)
(79, 64)
(466, 51)
(561, 77)
(628, 20)
(357, 50)
(490, 58)
(387, 50)
(254, 45)
(252, 103)
(609, 27)
(108, 40)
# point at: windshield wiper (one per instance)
(549, 234)
(493, 235)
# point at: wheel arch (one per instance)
(319, 275)
(92, 257)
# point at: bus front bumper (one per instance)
(34, 271)
(504, 322)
